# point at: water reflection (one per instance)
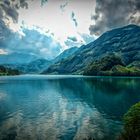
(66, 109)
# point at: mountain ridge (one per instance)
(123, 42)
(35, 65)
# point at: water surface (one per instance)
(34, 107)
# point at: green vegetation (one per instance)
(111, 66)
(125, 71)
(103, 66)
(132, 124)
(8, 71)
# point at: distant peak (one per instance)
(125, 28)
(131, 25)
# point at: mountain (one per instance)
(39, 65)
(35, 66)
(122, 43)
(65, 54)
(17, 58)
(62, 57)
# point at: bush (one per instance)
(8, 71)
(132, 123)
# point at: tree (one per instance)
(132, 123)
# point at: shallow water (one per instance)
(34, 107)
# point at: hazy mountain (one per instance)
(30, 64)
(66, 53)
(35, 66)
(17, 58)
(122, 42)
(38, 65)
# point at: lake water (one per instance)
(34, 107)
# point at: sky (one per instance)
(64, 19)
(67, 23)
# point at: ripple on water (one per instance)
(2, 95)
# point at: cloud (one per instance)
(74, 19)
(8, 13)
(87, 38)
(8, 8)
(111, 14)
(43, 45)
(74, 42)
(62, 6)
(3, 52)
(77, 41)
(33, 41)
(72, 38)
(43, 2)
(44, 17)
(5, 33)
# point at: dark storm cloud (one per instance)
(74, 19)
(114, 13)
(8, 8)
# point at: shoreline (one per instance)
(47, 77)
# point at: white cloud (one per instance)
(3, 52)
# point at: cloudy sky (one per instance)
(68, 23)
(67, 20)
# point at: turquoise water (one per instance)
(34, 107)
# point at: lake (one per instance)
(37, 107)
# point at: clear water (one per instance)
(64, 107)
